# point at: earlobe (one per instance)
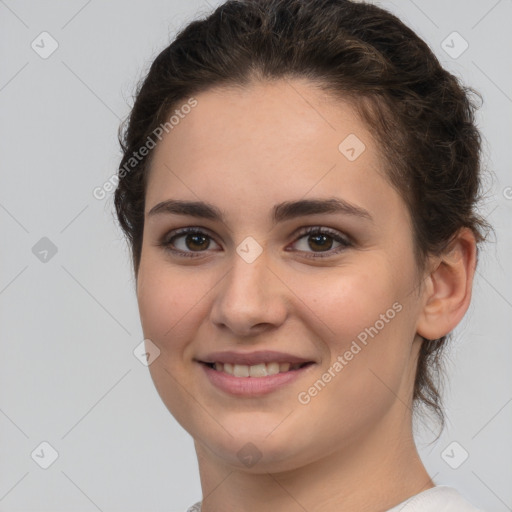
(448, 292)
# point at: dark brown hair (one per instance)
(421, 116)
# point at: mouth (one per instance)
(256, 370)
(253, 374)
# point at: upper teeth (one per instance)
(257, 370)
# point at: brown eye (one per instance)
(187, 242)
(198, 241)
(314, 241)
(320, 240)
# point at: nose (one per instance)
(250, 299)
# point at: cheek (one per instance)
(173, 305)
(171, 310)
(165, 299)
(350, 300)
(369, 344)
(367, 323)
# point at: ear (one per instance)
(447, 291)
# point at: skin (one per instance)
(351, 447)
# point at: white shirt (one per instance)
(441, 498)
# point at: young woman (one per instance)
(298, 188)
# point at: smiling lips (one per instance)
(256, 370)
(254, 364)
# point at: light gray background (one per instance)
(68, 375)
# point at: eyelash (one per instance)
(345, 243)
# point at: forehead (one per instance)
(266, 143)
(286, 114)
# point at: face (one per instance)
(313, 308)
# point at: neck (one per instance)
(378, 471)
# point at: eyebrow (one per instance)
(281, 212)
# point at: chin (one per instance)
(255, 446)
(255, 458)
